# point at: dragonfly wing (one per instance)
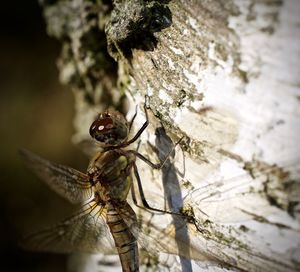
(86, 231)
(236, 200)
(173, 239)
(88, 146)
(129, 216)
(155, 240)
(66, 181)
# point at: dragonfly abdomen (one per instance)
(125, 241)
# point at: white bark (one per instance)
(239, 73)
(224, 76)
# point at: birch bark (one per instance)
(224, 75)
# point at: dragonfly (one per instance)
(106, 223)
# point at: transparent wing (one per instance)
(88, 146)
(214, 206)
(66, 181)
(86, 231)
(172, 239)
(129, 217)
(154, 240)
(261, 190)
(225, 211)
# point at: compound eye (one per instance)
(100, 126)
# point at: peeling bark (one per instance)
(224, 75)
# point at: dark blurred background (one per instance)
(36, 113)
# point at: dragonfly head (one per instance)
(109, 128)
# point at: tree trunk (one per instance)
(224, 77)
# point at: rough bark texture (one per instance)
(224, 75)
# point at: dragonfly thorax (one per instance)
(109, 172)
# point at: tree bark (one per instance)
(224, 77)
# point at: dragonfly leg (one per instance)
(143, 198)
(132, 119)
(141, 130)
(155, 150)
(155, 165)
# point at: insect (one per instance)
(106, 223)
(105, 187)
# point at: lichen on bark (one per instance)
(84, 63)
(132, 24)
(219, 74)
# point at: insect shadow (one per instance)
(173, 195)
